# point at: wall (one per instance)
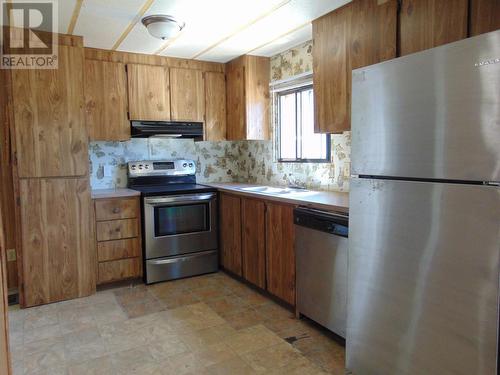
(241, 161)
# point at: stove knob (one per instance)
(146, 166)
(184, 165)
(190, 165)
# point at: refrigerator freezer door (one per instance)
(424, 263)
(433, 114)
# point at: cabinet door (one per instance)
(106, 101)
(253, 246)
(58, 255)
(215, 106)
(426, 24)
(484, 16)
(235, 99)
(50, 131)
(148, 92)
(4, 331)
(280, 252)
(331, 67)
(257, 73)
(187, 95)
(230, 233)
(373, 34)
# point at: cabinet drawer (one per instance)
(118, 249)
(117, 229)
(111, 209)
(119, 270)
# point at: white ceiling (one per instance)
(216, 30)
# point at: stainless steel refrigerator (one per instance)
(424, 230)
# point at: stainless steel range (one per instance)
(179, 219)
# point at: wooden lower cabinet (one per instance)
(4, 324)
(253, 241)
(118, 239)
(257, 243)
(58, 255)
(280, 251)
(119, 270)
(230, 233)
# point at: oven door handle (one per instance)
(157, 262)
(179, 199)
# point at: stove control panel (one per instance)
(177, 167)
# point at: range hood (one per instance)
(167, 129)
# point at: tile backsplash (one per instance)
(223, 161)
(230, 161)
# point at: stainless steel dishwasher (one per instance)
(321, 246)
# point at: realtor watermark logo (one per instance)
(27, 39)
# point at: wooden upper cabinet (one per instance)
(253, 241)
(58, 255)
(235, 99)
(50, 132)
(330, 71)
(148, 92)
(280, 251)
(215, 106)
(106, 101)
(230, 233)
(248, 105)
(373, 32)
(358, 34)
(484, 16)
(426, 24)
(187, 95)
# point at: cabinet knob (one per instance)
(116, 210)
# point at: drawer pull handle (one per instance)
(116, 210)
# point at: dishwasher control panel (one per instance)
(323, 221)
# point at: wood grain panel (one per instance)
(484, 16)
(257, 72)
(280, 253)
(106, 101)
(144, 59)
(426, 24)
(187, 95)
(51, 137)
(373, 34)
(6, 179)
(58, 257)
(253, 241)
(215, 106)
(5, 367)
(230, 233)
(118, 249)
(148, 92)
(235, 100)
(119, 208)
(331, 67)
(117, 229)
(119, 270)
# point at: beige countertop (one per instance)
(325, 200)
(114, 193)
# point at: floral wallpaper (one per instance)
(230, 161)
(294, 61)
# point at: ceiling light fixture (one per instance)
(163, 26)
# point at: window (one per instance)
(296, 139)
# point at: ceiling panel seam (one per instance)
(136, 19)
(240, 29)
(279, 37)
(74, 16)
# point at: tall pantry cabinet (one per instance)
(57, 259)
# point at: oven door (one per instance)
(180, 224)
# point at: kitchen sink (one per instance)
(276, 190)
